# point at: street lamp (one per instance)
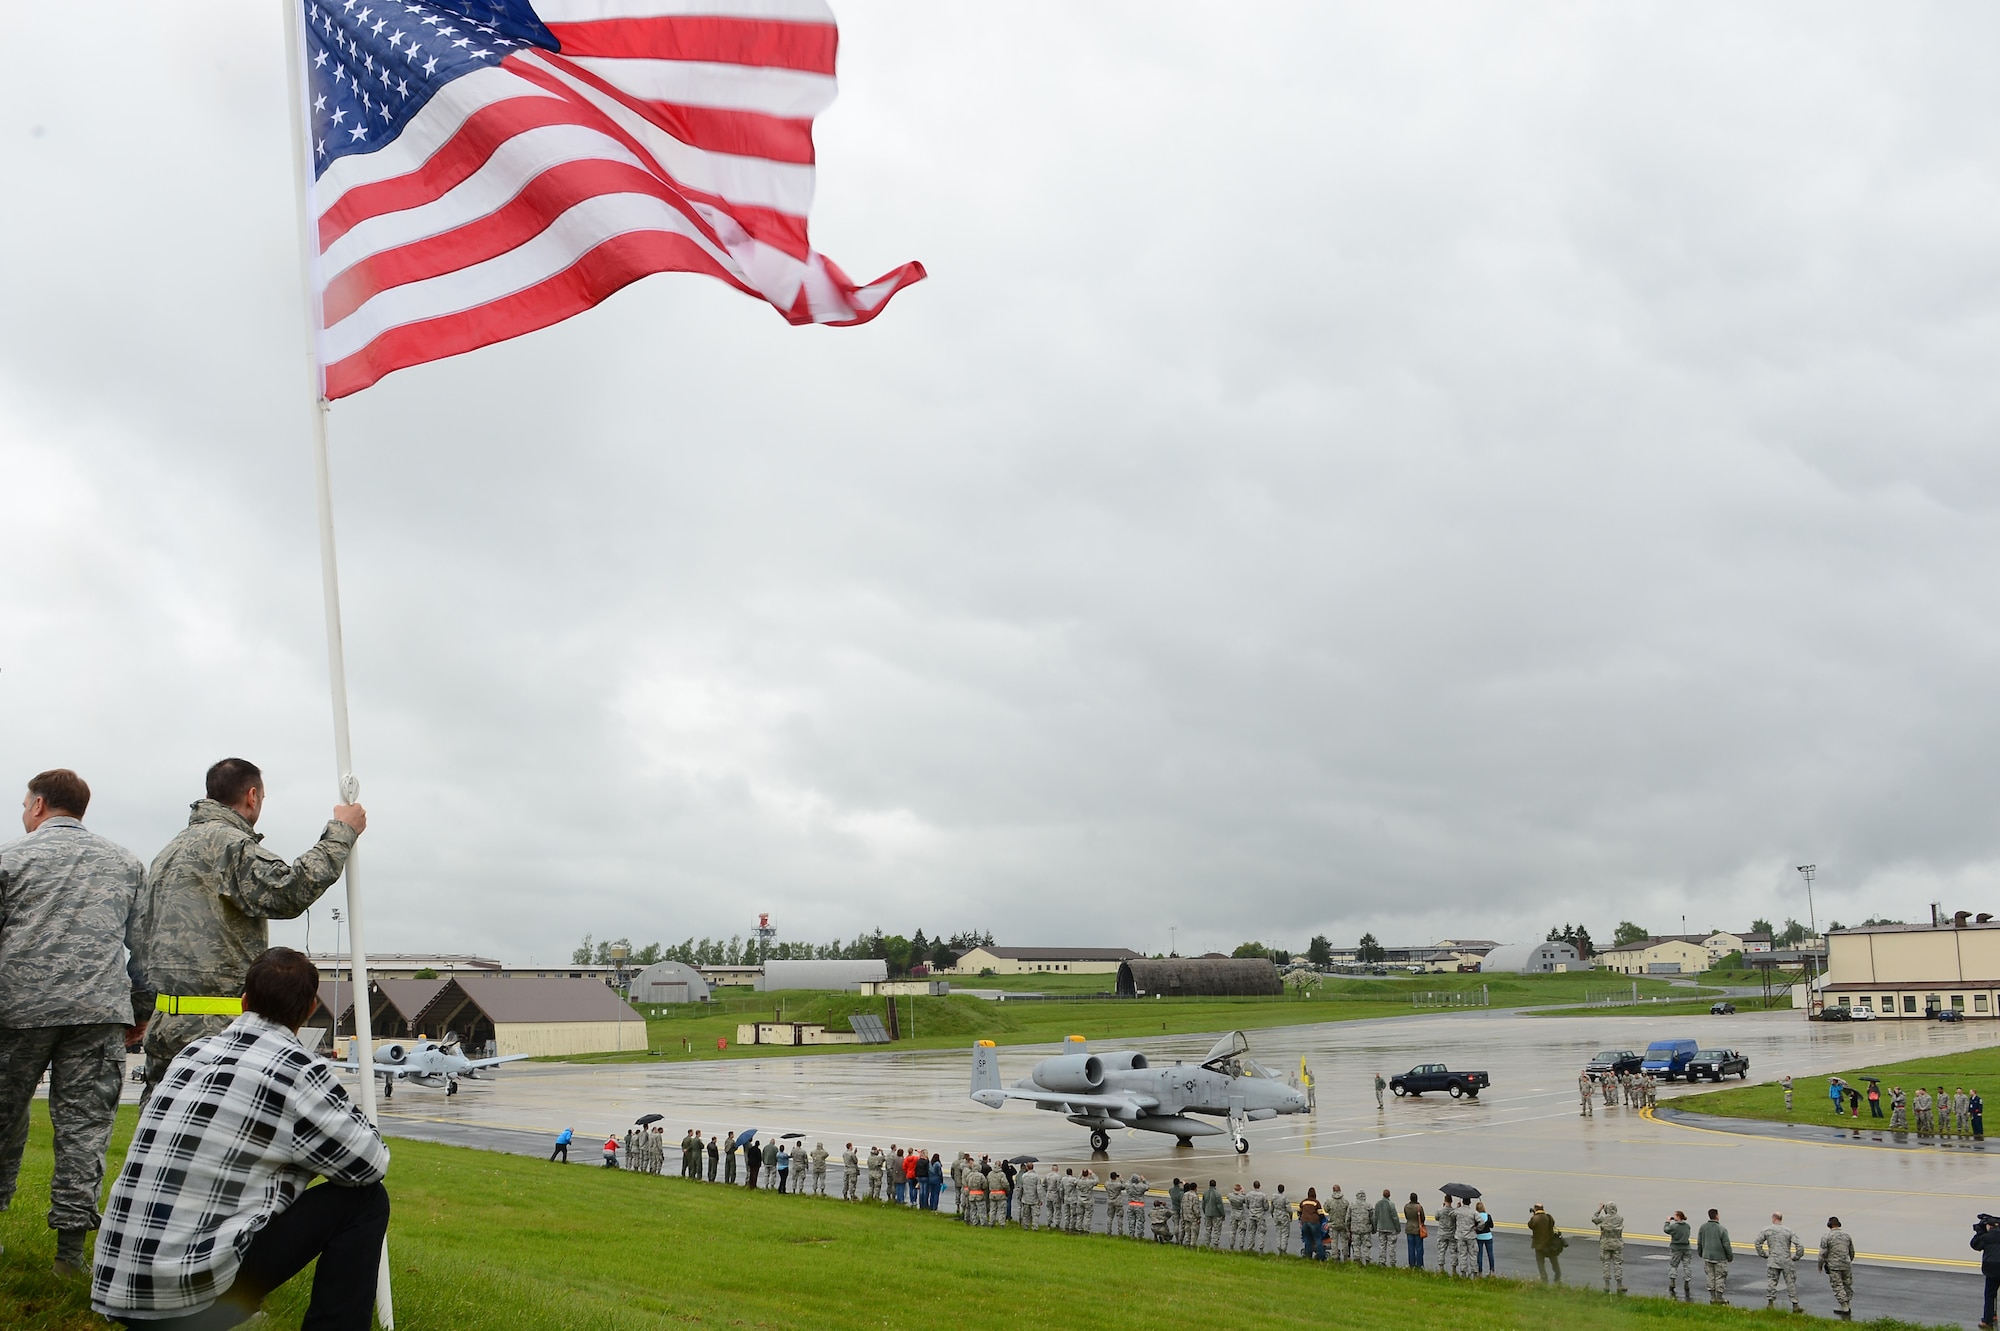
(618, 954)
(1812, 922)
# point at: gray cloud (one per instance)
(1444, 472)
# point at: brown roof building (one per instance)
(532, 1016)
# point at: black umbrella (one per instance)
(787, 1136)
(1024, 1160)
(1465, 1192)
(644, 1119)
(1876, 1080)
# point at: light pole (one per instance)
(618, 954)
(1812, 923)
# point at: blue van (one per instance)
(1669, 1058)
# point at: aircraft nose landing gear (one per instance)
(1100, 1140)
(1242, 1144)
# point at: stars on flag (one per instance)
(410, 49)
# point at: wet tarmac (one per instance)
(1520, 1142)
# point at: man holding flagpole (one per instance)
(209, 898)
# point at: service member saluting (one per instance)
(209, 895)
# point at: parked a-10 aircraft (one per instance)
(432, 1063)
(1123, 1090)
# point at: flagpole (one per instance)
(329, 568)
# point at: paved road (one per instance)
(1521, 1142)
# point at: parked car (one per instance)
(1668, 1059)
(1947, 1014)
(1861, 1012)
(1436, 1077)
(1715, 1064)
(1834, 1014)
(1723, 1009)
(1613, 1062)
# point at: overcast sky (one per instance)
(1435, 470)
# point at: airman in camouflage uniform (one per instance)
(818, 1158)
(1212, 1210)
(1239, 1220)
(1190, 1217)
(1135, 1205)
(1586, 1091)
(1611, 1244)
(1028, 1191)
(1361, 1224)
(1256, 1217)
(1836, 1258)
(1338, 1234)
(1781, 1250)
(1446, 1235)
(996, 1196)
(69, 910)
(850, 1170)
(209, 894)
(1281, 1220)
(874, 1172)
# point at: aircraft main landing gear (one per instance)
(1184, 1141)
(450, 1087)
(1100, 1140)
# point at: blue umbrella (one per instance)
(743, 1137)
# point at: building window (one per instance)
(1888, 1003)
(1979, 1002)
(1844, 1001)
(1958, 1002)
(1910, 1003)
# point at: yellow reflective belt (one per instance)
(178, 1005)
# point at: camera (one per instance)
(1985, 1221)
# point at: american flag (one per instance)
(484, 168)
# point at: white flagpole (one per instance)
(329, 566)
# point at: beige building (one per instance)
(1674, 954)
(1043, 960)
(1721, 943)
(1912, 970)
(525, 1015)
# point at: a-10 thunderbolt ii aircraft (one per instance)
(437, 1064)
(1124, 1090)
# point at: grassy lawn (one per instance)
(483, 1241)
(687, 1031)
(1969, 1068)
(1692, 1007)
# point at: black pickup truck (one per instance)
(1436, 1077)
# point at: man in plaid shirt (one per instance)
(211, 1211)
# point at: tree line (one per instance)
(901, 953)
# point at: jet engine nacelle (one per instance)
(1127, 1061)
(1080, 1074)
(394, 1053)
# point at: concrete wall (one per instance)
(792, 1033)
(568, 1037)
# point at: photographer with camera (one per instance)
(1986, 1242)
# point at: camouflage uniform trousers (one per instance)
(86, 1066)
(1612, 1255)
(1842, 1280)
(1468, 1255)
(1718, 1280)
(1680, 1267)
(1777, 1271)
(1211, 1231)
(1361, 1247)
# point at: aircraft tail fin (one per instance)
(986, 1074)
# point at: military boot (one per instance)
(69, 1262)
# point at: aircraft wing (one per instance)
(496, 1062)
(1132, 1106)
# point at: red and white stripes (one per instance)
(668, 136)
